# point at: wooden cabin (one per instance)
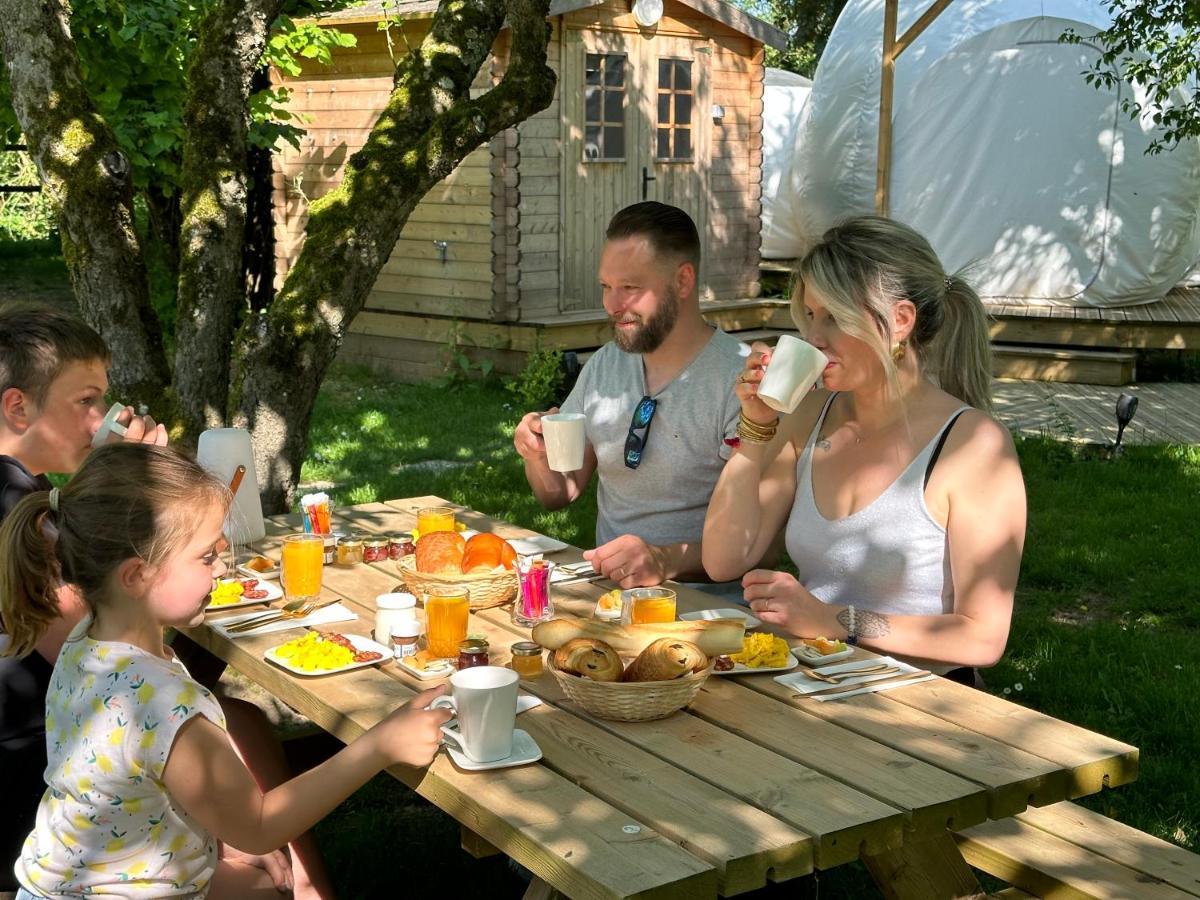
(502, 255)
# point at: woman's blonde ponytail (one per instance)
(961, 355)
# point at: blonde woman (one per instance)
(902, 497)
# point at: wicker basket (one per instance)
(630, 701)
(486, 590)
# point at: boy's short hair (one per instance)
(670, 230)
(38, 342)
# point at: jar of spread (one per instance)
(404, 638)
(349, 551)
(401, 545)
(392, 611)
(331, 541)
(527, 659)
(375, 549)
(472, 652)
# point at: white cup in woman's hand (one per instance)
(794, 368)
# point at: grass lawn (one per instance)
(1104, 635)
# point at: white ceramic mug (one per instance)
(109, 426)
(794, 368)
(565, 439)
(484, 698)
(390, 611)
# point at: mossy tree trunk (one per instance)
(263, 374)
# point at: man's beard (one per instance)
(653, 331)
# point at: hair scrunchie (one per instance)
(54, 499)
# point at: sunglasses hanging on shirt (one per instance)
(639, 431)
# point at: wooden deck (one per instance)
(1167, 413)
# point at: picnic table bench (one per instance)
(747, 786)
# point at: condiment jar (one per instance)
(472, 652)
(375, 549)
(404, 638)
(401, 545)
(349, 551)
(392, 611)
(527, 659)
(331, 542)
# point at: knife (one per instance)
(902, 678)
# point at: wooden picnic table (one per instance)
(745, 787)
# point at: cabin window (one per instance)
(675, 95)
(604, 107)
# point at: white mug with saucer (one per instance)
(109, 426)
(484, 699)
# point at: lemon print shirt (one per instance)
(105, 825)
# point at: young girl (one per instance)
(142, 780)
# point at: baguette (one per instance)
(714, 638)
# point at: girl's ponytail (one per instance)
(962, 352)
(29, 574)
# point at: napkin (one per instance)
(335, 613)
(801, 683)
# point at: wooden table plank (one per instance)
(1093, 760)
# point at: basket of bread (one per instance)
(667, 663)
(485, 565)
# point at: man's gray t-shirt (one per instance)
(663, 500)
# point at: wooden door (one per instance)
(616, 88)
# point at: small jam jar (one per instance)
(404, 638)
(472, 652)
(349, 551)
(401, 545)
(331, 541)
(375, 549)
(527, 659)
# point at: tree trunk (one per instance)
(88, 179)
(429, 124)
(211, 290)
(258, 249)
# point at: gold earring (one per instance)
(899, 351)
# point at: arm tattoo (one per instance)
(867, 624)
(823, 443)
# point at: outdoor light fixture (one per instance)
(718, 112)
(442, 247)
(1127, 405)
(647, 12)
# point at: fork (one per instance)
(839, 677)
(300, 612)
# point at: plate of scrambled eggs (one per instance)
(761, 652)
(323, 653)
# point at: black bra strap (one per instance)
(937, 451)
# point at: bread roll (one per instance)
(713, 637)
(486, 552)
(440, 552)
(589, 658)
(665, 660)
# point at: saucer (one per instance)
(525, 750)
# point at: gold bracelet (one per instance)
(753, 432)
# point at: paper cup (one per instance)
(484, 699)
(110, 426)
(564, 434)
(794, 368)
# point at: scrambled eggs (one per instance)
(313, 652)
(226, 592)
(762, 651)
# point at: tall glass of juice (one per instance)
(446, 612)
(303, 557)
(435, 518)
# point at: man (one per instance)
(658, 402)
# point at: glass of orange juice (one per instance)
(435, 518)
(303, 557)
(446, 612)
(644, 606)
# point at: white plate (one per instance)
(727, 613)
(809, 655)
(525, 751)
(537, 543)
(273, 593)
(439, 668)
(360, 644)
(272, 575)
(739, 669)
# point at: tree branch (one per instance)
(215, 162)
(88, 179)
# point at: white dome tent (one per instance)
(1001, 154)
(784, 96)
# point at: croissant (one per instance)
(589, 658)
(665, 659)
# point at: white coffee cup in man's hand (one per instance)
(794, 368)
(565, 438)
